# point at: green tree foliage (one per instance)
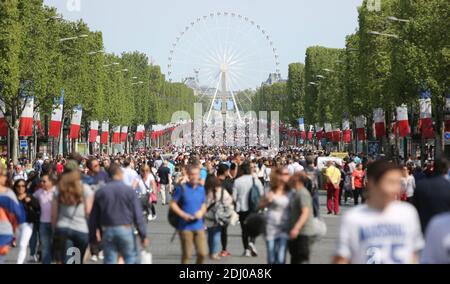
(38, 46)
(296, 92)
(272, 98)
(324, 90)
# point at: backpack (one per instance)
(253, 197)
(219, 213)
(313, 176)
(173, 218)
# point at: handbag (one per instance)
(153, 197)
(320, 228)
(146, 257)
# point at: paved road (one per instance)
(166, 252)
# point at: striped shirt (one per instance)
(11, 215)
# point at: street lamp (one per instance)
(56, 17)
(95, 52)
(395, 19)
(73, 38)
(109, 65)
(123, 70)
(383, 34)
(312, 83)
(328, 70)
(320, 76)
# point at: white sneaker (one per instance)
(247, 253)
(34, 258)
(100, 255)
(150, 217)
(94, 258)
(253, 250)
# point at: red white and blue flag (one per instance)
(402, 121)
(380, 122)
(328, 131)
(57, 115)
(93, 131)
(301, 128)
(360, 127)
(38, 122)
(319, 132)
(310, 133)
(75, 123)
(140, 133)
(105, 133)
(27, 117)
(3, 122)
(346, 132)
(336, 135)
(124, 134)
(426, 120)
(116, 135)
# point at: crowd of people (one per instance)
(66, 209)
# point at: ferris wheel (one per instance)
(221, 54)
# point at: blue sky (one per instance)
(151, 26)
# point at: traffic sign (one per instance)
(23, 144)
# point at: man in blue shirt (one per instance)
(189, 203)
(116, 211)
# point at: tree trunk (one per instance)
(15, 140)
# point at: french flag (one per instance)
(380, 122)
(426, 121)
(93, 131)
(124, 134)
(26, 118)
(75, 123)
(116, 135)
(3, 122)
(336, 135)
(319, 132)
(38, 122)
(56, 120)
(346, 132)
(402, 121)
(301, 127)
(105, 133)
(310, 132)
(140, 133)
(361, 127)
(328, 131)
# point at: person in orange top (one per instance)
(358, 178)
(333, 175)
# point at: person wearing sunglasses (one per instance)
(32, 212)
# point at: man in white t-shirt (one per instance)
(437, 248)
(130, 176)
(294, 167)
(382, 231)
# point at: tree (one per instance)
(296, 92)
(9, 64)
(324, 91)
(422, 60)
